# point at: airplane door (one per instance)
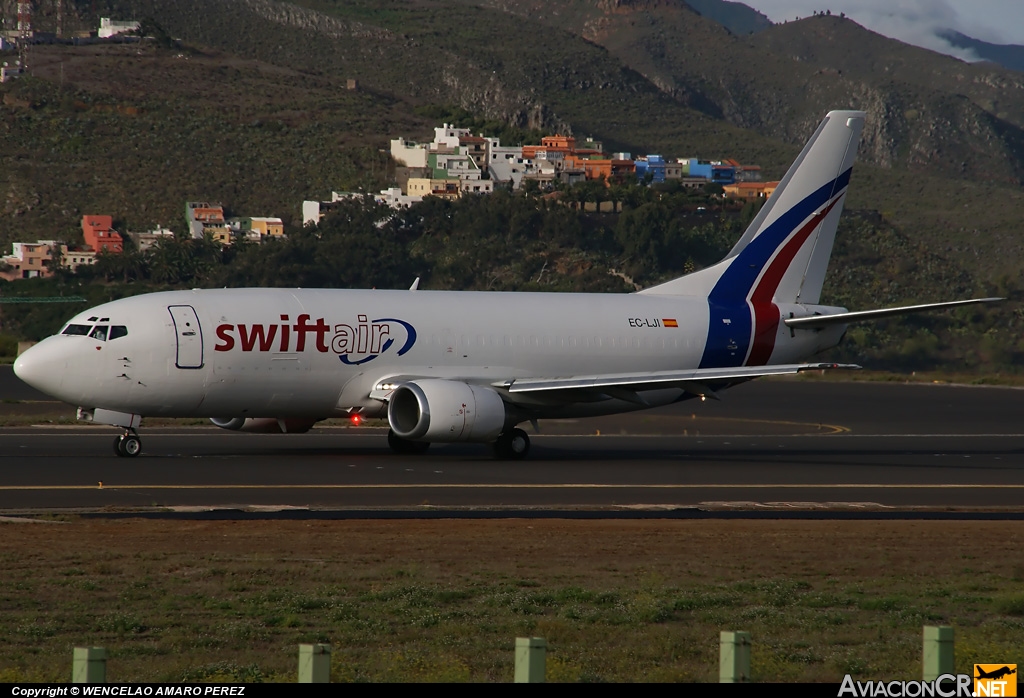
(188, 335)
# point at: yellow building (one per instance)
(266, 227)
(444, 188)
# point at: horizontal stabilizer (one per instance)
(693, 380)
(806, 323)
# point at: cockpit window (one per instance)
(77, 329)
(118, 331)
(100, 333)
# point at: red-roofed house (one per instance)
(99, 234)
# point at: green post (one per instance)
(937, 652)
(530, 659)
(314, 663)
(735, 657)
(89, 665)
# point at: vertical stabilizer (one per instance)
(784, 252)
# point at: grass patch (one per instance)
(617, 601)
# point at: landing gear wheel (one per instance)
(512, 445)
(128, 445)
(404, 446)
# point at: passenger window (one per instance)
(118, 331)
(99, 333)
(76, 329)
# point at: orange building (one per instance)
(551, 144)
(99, 234)
(596, 168)
(750, 190)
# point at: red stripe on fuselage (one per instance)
(766, 313)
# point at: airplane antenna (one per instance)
(415, 284)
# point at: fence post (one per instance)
(937, 653)
(89, 665)
(315, 663)
(530, 659)
(735, 657)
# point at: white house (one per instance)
(506, 163)
(448, 136)
(394, 198)
(408, 154)
(112, 27)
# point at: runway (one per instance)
(768, 445)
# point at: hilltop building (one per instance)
(749, 190)
(394, 198)
(146, 240)
(427, 186)
(204, 218)
(506, 163)
(479, 164)
(112, 27)
(313, 211)
(256, 229)
(28, 260)
(99, 234)
(71, 259)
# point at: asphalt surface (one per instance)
(781, 445)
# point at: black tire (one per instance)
(512, 445)
(404, 446)
(129, 446)
(117, 446)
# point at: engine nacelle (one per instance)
(265, 425)
(434, 409)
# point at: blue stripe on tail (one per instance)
(731, 320)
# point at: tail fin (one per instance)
(784, 252)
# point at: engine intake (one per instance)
(434, 409)
(265, 425)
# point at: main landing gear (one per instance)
(512, 445)
(128, 444)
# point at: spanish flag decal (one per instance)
(669, 322)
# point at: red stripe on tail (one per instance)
(766, 313)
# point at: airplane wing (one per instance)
(625, 385)
(845, 318)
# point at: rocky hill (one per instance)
(253, 109)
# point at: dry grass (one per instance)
(444, 600)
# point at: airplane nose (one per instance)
(43, 366)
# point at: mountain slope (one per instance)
(1010, 56)
(929, 111)
(734, 16)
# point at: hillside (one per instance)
(253, 110)
(1009, 56)
(926, 110)
(738, 18)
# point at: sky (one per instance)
(915, 21)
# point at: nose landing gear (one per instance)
(128, 444)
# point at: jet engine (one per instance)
(434, 409)
(265, 425)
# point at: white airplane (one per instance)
(449, 366)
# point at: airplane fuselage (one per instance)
(316, 353)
